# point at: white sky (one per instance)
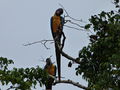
(23, 21)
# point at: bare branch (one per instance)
(79, 29)
(43, 42)
(76, 24)
(67, 56)
(63, 53)
(70, 58)
(42, 60)
(74, 28)
(69, 15)
(71, 82)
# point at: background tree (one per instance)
(21, 78)
(100, 60)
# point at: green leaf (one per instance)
(87, 26)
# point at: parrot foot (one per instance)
(61, 46)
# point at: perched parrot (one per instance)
(57, 22)
(51, 69)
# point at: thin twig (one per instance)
(63, 53)
(69, 15)
(74, 28)
(78, 29)
(43, 42)
(76, 24)
(83, 28)
(44, 60)
(71, 82)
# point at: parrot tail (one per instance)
(58, 59)
(49, 84)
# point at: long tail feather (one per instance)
(58, 58)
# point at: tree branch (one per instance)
(76, 24)
(61, 51)
(74, 28)
(67, 56)
(43, 42)
(79, 27)
(69, 15)
(71, 82)
(70, 58)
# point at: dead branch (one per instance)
(74, 28)
(71, 82)
(69, 15)
(61, 51)
(43, 42)
(79, 26)
(70, 58)
(76, 24)
(67, 56)
(79, 29)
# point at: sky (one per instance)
(24, 21)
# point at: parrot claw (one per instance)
(61, 46)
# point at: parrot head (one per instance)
(59, 12)
(48, 61)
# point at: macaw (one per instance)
(51, 69)
(57, 22)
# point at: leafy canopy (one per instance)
(100, 60)
(21, 78)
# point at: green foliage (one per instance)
(21, 78)
(100, 60)
(87, 26)
(116, 2)
(4, 63)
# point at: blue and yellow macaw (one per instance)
(51, 69)
(57, 22)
